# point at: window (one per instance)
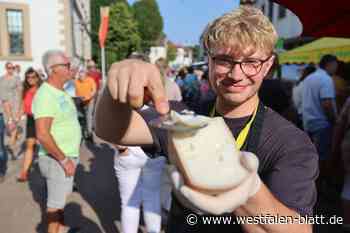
(282, 12)
(14, 32)
(270, 11)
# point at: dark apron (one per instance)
(177, 217)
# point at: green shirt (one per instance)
(65, 129)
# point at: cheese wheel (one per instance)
(208, 159)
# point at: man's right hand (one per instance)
(69, 168)
(11, 126)
(128, 79)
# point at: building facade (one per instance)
(184, 57)
(286, 22)
(156, 53)
(30, 27)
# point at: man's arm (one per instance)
(19, 90)
(43, 126)
(263, 203)
(116, 119)
(120, 124)
(93, 89)
(329, 109)
(8, 110)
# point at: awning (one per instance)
(312, 52)
(321, 18)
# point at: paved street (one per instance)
(95, 205)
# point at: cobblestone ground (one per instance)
(94, 207)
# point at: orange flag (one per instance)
(102, 33)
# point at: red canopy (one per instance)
(320, 17)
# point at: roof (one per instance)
(312, 52)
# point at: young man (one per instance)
(59, 134)
(282, 180)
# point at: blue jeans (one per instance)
(322, 138)
(3, 153)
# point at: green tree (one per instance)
(123, 37)
(197, 53)
(171, 52)
(150, 22)
(95, 24)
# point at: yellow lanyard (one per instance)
(242, 136)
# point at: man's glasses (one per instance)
(67, 65)
(250, 67)
(10, 67)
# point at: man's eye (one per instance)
(252, 63)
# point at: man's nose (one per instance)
(236, 72)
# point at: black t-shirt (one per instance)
(288, 166)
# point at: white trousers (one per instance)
(139, 179)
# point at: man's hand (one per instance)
(68, 167)
(225, 202)
(11, 125)
(128, 79)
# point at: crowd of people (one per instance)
(68, 104)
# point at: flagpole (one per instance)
(103, 66)
(102, 34)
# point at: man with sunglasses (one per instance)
(4, 110)
(281, 184)
(11, 87)
(58, 131)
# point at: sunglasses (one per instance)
(10, 67)
(32, 76)
(67, 65)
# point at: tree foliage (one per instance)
(95, 23)
(150, 22)
(171, 52)
(123, 37)
(197, 56)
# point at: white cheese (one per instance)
(208, 159)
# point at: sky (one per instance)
(184, 20)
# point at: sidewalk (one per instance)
(94, 207)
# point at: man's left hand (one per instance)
(225, 202)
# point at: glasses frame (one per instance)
(67, 65)
(233, 63)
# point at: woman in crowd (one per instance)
(172, 88)
(31, 83)
(139, 180)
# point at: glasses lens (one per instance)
(222, 66)
(251, 68)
